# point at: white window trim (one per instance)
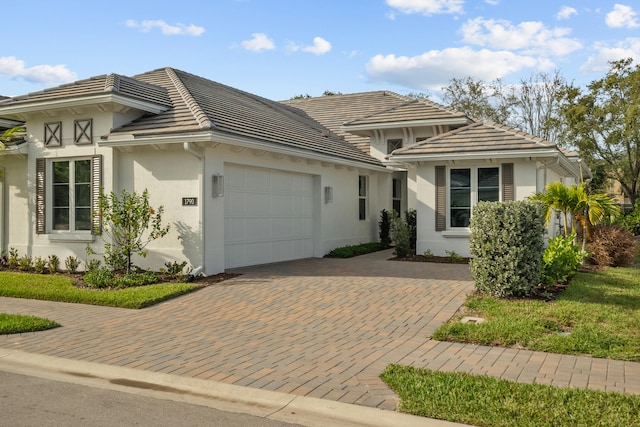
(365, 197)
(464, 231)
(62, 235)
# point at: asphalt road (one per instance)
(33, 401)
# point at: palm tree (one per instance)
(586, 209)
(10, 134)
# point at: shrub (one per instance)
(40, 265)
(99, 278)
(174, 269)
(25, 263)
(411, 219)
(355, 250)
(507, 243)
(72, 263)
(53, 263)
(385, 228)
(92, 264)
(13, 258)
(561, 259)
(631, 221)
(453, 256)
(612, 245)
(136, 279)
(401, 236)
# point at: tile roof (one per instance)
(197, 104)
(335, 110)
(98, 85)
(415, 110)
(475, 137)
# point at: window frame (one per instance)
(363, 196)
(72, 201)
(473, 191)
(393, 144)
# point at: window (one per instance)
(362, 197)
(393, 144)
(66, 194)
(465, 190)
(396, 196)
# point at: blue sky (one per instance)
(282, 48)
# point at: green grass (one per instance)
(600, 311)
(61, 288)
(16, 323)
(487, 401)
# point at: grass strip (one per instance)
(61, 288)
(597, 316)
(16, 323)
(487, 401)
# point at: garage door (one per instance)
(268, 216)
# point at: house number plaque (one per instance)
(189, 201)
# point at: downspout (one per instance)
(187, 146)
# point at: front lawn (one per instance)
(598, 315)
(486, 401)
(54, 287)
(16, 323)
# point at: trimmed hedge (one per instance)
(507, 245)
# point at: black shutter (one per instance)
(41, 186)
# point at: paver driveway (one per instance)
(319, 327)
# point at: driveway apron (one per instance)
(324, 328)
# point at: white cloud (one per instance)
(434, 69)
(566, 12)
(12, 68)
(259, 42)
(166, 29)
(320, 46)
(426, 7)
(605, 53)
(492, 2)
(531, 37)
(622, 16)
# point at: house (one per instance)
(245, 180)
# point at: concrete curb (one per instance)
(272, 405)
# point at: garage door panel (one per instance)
(268, 216)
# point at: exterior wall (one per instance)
(529, 177)
(16, 227)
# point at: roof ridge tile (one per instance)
(196, 110)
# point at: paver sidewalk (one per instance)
(319, 327)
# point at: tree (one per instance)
(604, 124)
(130, 224)
(532, 105)
(477, 99)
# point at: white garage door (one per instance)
(268, 216)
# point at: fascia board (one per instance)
(475, 155)
(33, 107)
(405, 124)
(214, 137)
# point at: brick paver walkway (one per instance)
(319, 327)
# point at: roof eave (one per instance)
(129, 140)
(404, 124)
(467, 155)
(102, 98)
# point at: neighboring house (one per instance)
(245, 180)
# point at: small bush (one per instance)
(453, 256)
(631, 221)
(13, 258)
(561, 259)
(93, 264)
(507, 243)
(25, 263)
(427, 254)
(174, 269)
(40, 265)
(72, 263)
(411, 219)
(355, 250)
(612, 245)
(385, 228)
(99, 278)
(401, 236)
(136, 279)
(53, 263)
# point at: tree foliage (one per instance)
(129, 225)
(603, 122)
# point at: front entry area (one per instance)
(269, 216)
